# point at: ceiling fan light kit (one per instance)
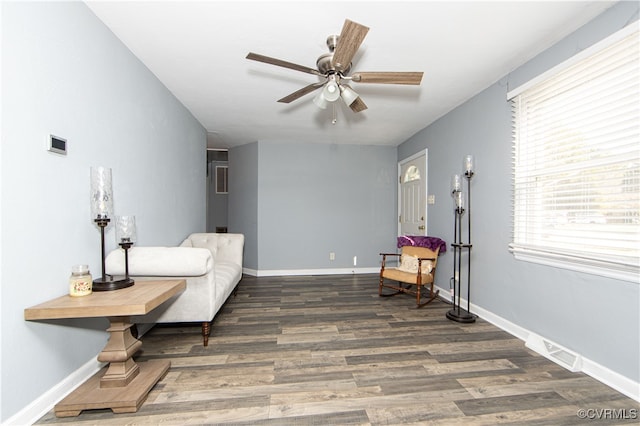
(349, 96)
(320, 101)
(331, 90)
(333, 67)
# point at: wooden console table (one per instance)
(122, 385)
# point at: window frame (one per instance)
(554, 256)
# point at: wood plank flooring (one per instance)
(327, 350)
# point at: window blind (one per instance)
(576, 171)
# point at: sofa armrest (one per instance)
(161, 262)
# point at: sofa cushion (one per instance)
(161, 261)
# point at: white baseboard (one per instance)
(603, 374)
(38, 408)
(302, 272)
(612, 379)
(41, 406)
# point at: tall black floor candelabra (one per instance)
(457, 313)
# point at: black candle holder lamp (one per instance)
(102, 210)
(126, 237)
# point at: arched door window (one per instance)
(412, 173)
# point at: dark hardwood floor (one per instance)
(327, 350)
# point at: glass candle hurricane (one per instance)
(456, 184)
(459, 198)
(126, 229)
(101, 193)
(468, 165)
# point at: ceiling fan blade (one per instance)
(351, 38)
(299, 93)
(413, 78)
(281, 63)
(358, 105)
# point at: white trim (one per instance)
(558, 261)
(612, 379)
(414, 156)
(599, 372)
(250, 271)
(1, 210)
(617, 36)
(45, 403)
(302, 272)
(42, 405)
(418, 154)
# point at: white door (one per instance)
(412, 194)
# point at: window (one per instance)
(412, 173)
(577, 162)
(222, 179)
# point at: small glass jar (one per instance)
(80, 282)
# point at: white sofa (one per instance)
(210, 263)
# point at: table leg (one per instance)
(118, 353)
(123, 385)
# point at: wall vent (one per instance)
(556, 353)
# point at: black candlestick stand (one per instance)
(107, 282)
(457, 313)
(126, 245)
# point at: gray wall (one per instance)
(594, 316)
(303, 200)
(314, 199)
(217, 204)
(64, 73)
(243, 199)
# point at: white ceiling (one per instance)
(198, 49)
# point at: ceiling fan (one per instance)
(333, 68)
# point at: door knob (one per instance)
(421, 227)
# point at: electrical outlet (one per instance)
(332, 256)
(431, 199)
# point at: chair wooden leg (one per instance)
(432, 296)
(398, 289)
(206, 331)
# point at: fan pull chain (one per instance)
(335, 118)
